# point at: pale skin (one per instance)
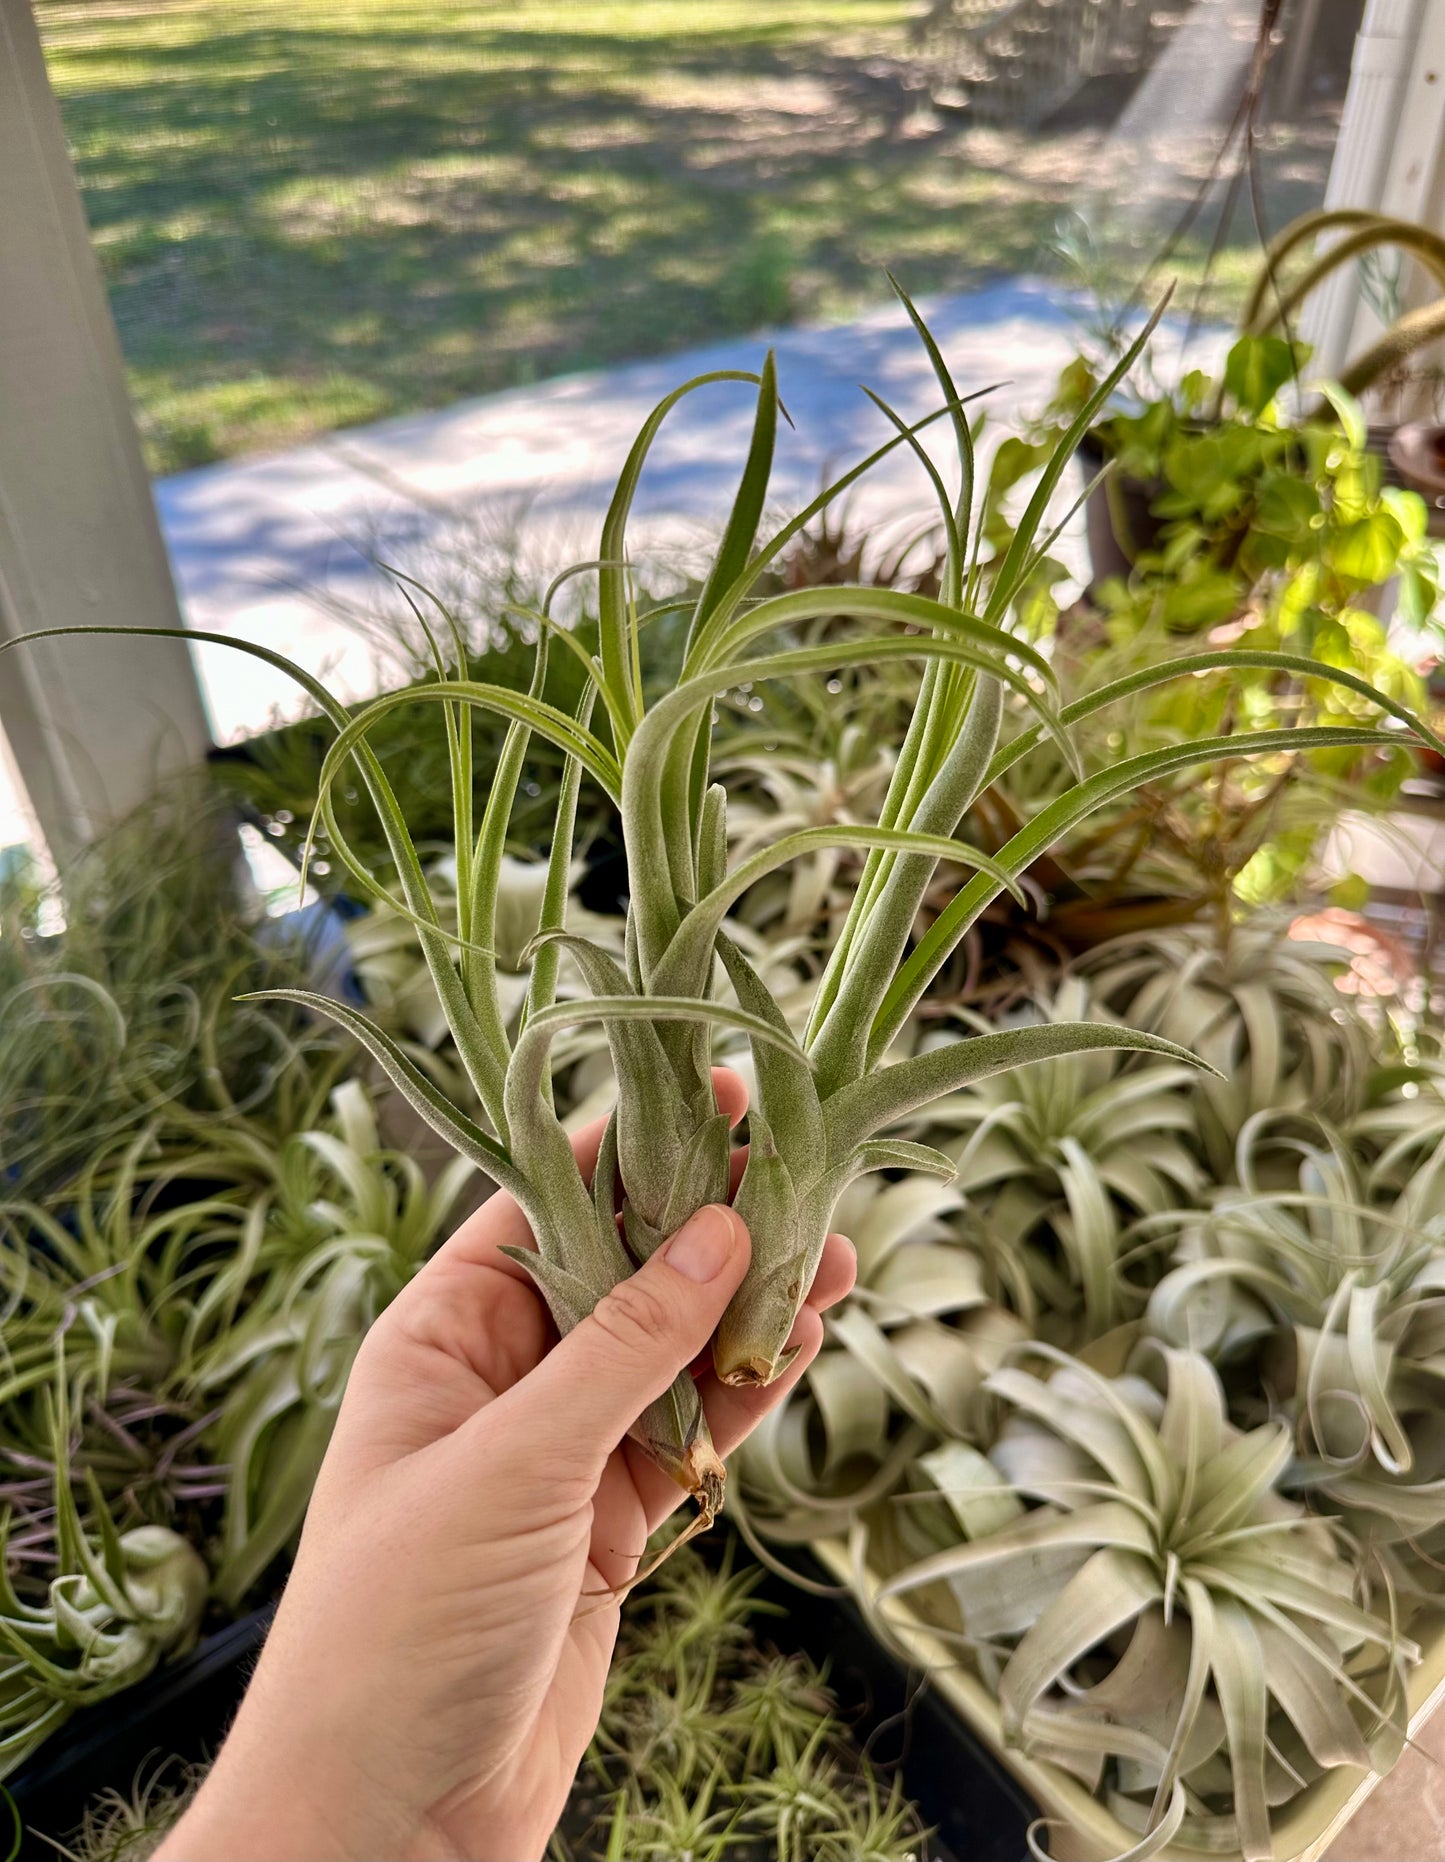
(435, 1671)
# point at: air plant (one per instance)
(1333, 1296)
(129, 1826)
(117, 1603)
(823, 1101)
(274, 1328)
(902, 1367)
(204, 1335)
(1260, 1006)
(713, 1745)
(1055, 1162)
(1158, 1618)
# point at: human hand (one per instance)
(435, 1670)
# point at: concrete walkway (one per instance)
(271, 548)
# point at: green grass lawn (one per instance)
(313, 213)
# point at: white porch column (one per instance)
(1370, 134)
(93, 724)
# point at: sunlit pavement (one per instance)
(256, 542)
(262, 547)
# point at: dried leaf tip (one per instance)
(752, 1374)
(705, 1478)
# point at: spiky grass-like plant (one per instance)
(1160, 1619)
(126, 1015)
(822, 1103)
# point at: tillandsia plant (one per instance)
(202, 1307)
(116, 1603)
(1156, 1616)
(1259, 1004)
(902, 1367)
(823, 1102)
(1054, 1166)
(1311, 1280)
(713, 1745)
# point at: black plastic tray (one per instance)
(182, 1709)
(977, 1810)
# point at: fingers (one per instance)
(579, 1403)
(730, 1090)
(837, 1271)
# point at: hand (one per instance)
(435, 1670)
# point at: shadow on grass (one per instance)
(311, 216)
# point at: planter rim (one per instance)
(1303, 1835)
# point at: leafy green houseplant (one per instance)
(986, 700)
(1271, 532)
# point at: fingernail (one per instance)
(703, 1246)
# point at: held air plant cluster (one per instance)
(827, 1097)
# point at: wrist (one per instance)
(284, 1800)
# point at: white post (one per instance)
(1379, 77)
(93, 724)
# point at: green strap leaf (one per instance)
(1110, 1591)
(1011, 571)
(787, 1094)
(1228, 659)
(856, 1112)
(617, 635)
(1073, 806)
(688, 954)
(465, 1137)
(731, 560)
(1238, 1666)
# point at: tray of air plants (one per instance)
(1061, 1432)
(1130, 1434)
(745, 1721)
